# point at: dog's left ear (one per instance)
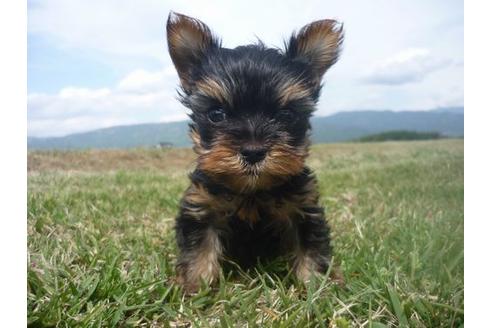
(188, 40)
(318, 44)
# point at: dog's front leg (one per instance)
(313, 251)
(200, 249)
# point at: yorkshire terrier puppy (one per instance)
(251, 196)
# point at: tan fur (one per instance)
(186, 37)
(214, 89)
(195, 138)
(246, 207)
(205, 265)
(248, 211)
(246, 183)
(223, 159)
(226, 186)
(304, 267)
(292, 90)
(203, 203)
(320, 41)
(285, 160)
(201, 200)
(223, 163)
(206, 259)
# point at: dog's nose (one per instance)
(253, 154)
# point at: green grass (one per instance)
(102, 251)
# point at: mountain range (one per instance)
(342, 126)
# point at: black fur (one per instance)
(253, 75)
(246, 243)
(250, 96)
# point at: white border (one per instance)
(478, 162)
(13, 185)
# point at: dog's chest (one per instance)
(207, 199)
(261, 206)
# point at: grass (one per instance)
(102, 251)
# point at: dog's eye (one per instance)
(216, 115)
(285, 115)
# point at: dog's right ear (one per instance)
(188, 40)
(317, 44)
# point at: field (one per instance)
(101, 247)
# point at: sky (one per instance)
(94, 64)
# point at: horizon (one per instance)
(87, 72)
(446, 109)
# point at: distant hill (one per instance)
(343, 126)
(456, 110)
(400, 135)
(127, 136)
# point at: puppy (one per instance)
(251, 196)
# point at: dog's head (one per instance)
(250, 106)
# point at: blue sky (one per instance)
(94, 64)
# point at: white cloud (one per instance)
(81, 93)
(410, 65)
(404, 51)
(142, 80)
(137, 28)
(139, 97)
(111, 27)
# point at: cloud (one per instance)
(408, 66)
(127, 39)
(141, 80)
(112, 27)
(139, 97)
(137, 28)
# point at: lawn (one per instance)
(102, 251)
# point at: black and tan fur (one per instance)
(251, 196)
